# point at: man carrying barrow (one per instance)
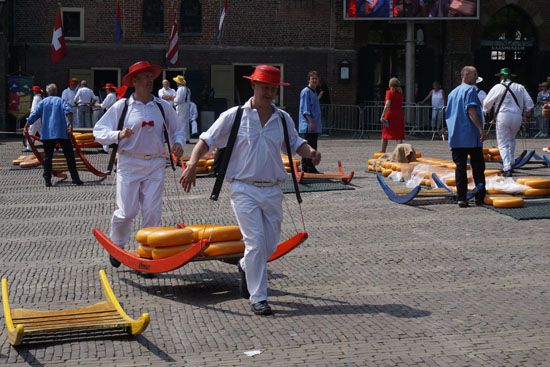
(254, 173)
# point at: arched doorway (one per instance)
(509, 40)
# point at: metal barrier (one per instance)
(363, 120)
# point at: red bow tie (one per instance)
(150, 123)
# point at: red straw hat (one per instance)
(267, 74)
(140, 67)
(120, 92)
(36, 88)
(109, 86)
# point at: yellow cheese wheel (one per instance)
(418, 155)
(170, 237)
(488, 200)
(386, 172)
(494, 151)
(202, 169)
(164, 252)
(378, 168)
(496, 157)
(224, 248)
(451, 181)
(371, 161)
(141, 235)
(512, 202)
(486, 157)
(84, 136)
(538, 183)
(386, 164)
(492, 172)
(209, 162)
(371, 168)
(377, 155)
(495, 191)
(30, 163)
(145, 251)
(215, 233)
(426, 182)
(486, 151)
(536, 192)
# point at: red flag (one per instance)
(58, 50)
(173, 44)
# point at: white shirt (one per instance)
(84, 96)
(257, 152)
(508, 105)
(68, 96)
(481, 95)
(146, 139)
(183, 95)
(109, 101)
(167, 92)
(35, 101)
(437, 98)
(193, 113)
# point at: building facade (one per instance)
(354, 58)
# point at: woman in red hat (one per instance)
(142, 157)
(36, 127)
(254, 173)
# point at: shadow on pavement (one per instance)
(151, 347)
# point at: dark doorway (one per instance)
(102, 77)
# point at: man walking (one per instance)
(511, 102)
(466, 135)
(310, 118)
(254, 173)
(52, 111)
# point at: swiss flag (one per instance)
(58, 50)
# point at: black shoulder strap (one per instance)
(227, 155)
(289, 152)
(512, 93)
(166, 137)
(115, 146)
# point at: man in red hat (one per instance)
(35, 128)
(142, 156)
(68, 95)
(110, 99)
(254, 172)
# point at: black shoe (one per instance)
(78, 182)
(463, 203)
(48, 183)
(479, 202)
(114, 262)
(261, 308)
(243, 287)
(507, 174)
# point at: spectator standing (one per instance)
(167, 93)
(310, 118)
(84, 100)
(437, 97)
(193, 116)
(68, 95)
(466, 135)
(52, 111)
(181, 101)
(542, 98)
(36, 126)
(392, 119)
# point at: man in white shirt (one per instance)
(36, 127)
(254, 173)
(511, 102)
(84, 100)
(110, 99)
(167, 93)
(481, 94)
(68, 95)
(193, 116)
(183, 96)
(141, 149)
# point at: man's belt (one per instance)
(141, 155)
(260, 183)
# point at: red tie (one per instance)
(150, 123)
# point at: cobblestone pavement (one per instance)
(376, 283)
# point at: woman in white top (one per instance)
(438, 102)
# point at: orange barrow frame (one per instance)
(340, 175)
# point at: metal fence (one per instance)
(360, 121)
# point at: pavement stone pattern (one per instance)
(376, 284)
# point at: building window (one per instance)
(498, 55)
(190, 16)
(73, 23)
(153, 16)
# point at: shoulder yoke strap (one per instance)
(227, 155)
(166, 137)
(289, 152)
(119, 128)
(512, 93)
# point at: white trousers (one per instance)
(140, 185)
(33, 129)
(507, 127)
(259, 212)
(183, 118)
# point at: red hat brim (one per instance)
(155, 69)
(282, 84)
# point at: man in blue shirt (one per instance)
(466, 135)
(52, 110)
(310, 118)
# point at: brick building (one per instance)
(296, 35)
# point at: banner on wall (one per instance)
(411, 9)
(19, 95)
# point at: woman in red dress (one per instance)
(393, 122)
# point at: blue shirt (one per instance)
(52, 111)
(309, 105)
(462, 131)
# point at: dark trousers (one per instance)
(311, 139)
(49, 146)
(477, 161)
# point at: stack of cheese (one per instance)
(84, 138)
(162, 242)
(492, 154)
(26, 161)
(286, 163)
(537, 186)
(204, 165)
